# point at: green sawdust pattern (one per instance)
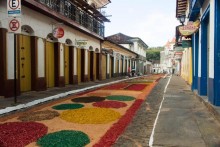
(120, 98)
(90, 115)
(67, 106)
(64, 138)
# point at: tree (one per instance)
(153, 53)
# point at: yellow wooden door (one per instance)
(117, 66)
(121, 66)
(25, 63)
(94, 66)
(79, 65)
(50, 75)
(110, 67)
(103, 67)
(89, 65)
(66, 64)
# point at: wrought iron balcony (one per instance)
(71, 11)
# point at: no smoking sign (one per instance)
(14, 25)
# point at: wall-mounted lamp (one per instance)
(182, 19)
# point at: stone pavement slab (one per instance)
(184, 120)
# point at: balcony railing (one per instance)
(69, 10)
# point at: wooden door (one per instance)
(50, 75)
(25, 63)
(66, 64)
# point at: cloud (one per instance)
(155, 29)
(150, 21)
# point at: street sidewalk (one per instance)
(183, 120)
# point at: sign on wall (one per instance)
(186, 43)
(81, 43)
(14, 25)
(190, 28)
(14, 8)
(58, 32)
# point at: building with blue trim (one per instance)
(205, 46)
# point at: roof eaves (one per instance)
(119, 45)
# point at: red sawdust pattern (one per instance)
(117, 86)
(112, 134)
(110, 104)
(19, 134)
(136, 87)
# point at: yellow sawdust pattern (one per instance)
(90, 115)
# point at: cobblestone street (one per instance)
(170, 115)
(138, 132)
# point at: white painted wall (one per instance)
(212, 38)
(124, 64)
(75, 61)
(114, 54)
(127, 64)
(86, 62)
(3, 14)
(61, 59)
(119, 66)
(199, 53)
(41, 57)
(10, 56)
(135, 47)
(42, 26)
(108, 60)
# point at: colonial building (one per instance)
(204, 46)
(167, 57)
(116, 59)
(134, 44)
(59, 44)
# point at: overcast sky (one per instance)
(153, 21)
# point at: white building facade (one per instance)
(136, 45)
(43, 59)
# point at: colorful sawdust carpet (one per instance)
(89, 99)
(110, 104)
(90, 115)
(39, 115)
(64, 138)
(118, 86)
(136, 87)
(120, 98)
(67, 106)
(19, 134)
